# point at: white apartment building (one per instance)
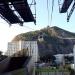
(31, 46)
(13, 47)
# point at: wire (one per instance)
(48, 11)
(52, 12)
(29, 27)
(59, 4)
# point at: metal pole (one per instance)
(74, 56)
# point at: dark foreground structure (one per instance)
(16, 11)
(14, 66)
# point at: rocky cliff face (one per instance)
(51, 40)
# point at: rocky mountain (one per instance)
(51, 40)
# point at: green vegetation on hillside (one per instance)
(51, 43)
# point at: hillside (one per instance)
(50, 40)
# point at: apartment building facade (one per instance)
(31, 46)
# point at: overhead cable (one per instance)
(52, 11)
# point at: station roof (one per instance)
(21, 6)
(7, 13)
(65, 6)
(23, 9)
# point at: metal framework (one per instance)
(33, 4)
(17, 11)
(65, 6)
(71, 11)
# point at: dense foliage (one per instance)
(50, 40)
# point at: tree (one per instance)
(47, 58)
(69, 58)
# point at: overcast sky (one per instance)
(7, 32)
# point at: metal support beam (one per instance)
(19, 10)
(33, 4)
(65, 6)
(5, 19)
(71, 11)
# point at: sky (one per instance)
(7, 32)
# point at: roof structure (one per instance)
(6, 12)
(65, 6)
(9, 7)
(23, 9)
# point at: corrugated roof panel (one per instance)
(21, 6)
(65, 6)
(23, 9)
(6, 12)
